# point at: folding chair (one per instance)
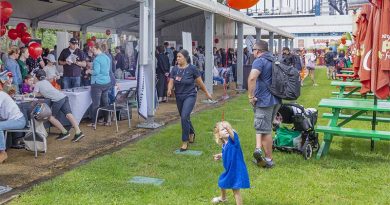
(120, 103)
(30, 127)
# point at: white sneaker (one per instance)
(217, 200)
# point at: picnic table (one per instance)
(360, 107)
(355, 86)
(350, 72)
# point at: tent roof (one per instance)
(123, 15)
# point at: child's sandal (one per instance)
(217, 200)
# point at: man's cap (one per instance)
(73, 41)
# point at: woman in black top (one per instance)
(183, 77)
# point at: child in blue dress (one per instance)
(235, 176)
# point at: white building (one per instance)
(311, 25)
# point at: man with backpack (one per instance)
(330, 63)
(264, 102)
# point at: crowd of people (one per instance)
(23, 76)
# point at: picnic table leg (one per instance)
(342, 89)
(325, 145)
(373, 122)
(328, 137)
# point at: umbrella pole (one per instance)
(373, 122)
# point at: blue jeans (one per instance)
(218, 79)
(10, 125)
(71, 82)
(99, 95)
(111, 95)
(185, 104)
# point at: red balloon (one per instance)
(21, 28)
(3, 21)
(108, 32)
(35, 50)
(5, 9)
(343, 41)
(26, 38)
(12, 34)
(241, 4)
(3, 30)
(93, 38)
(216, 40)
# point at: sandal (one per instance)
(217, 200)
(184, 149)
(193, 138)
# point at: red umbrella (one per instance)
(362, 23)
(366, 54)
(375, 43)
(382, 55)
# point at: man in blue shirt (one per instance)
(265, 104)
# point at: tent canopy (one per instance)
(123, 15)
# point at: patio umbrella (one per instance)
(382, 81)
(360, 35)
(376, 8)
(366, 65)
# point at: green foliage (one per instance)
(350, 174)
(48, 37)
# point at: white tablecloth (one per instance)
(79, 100)
(125, 85)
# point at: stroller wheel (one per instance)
(316, 144)
(307, 150)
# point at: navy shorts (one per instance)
(61, 105)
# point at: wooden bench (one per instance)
(375, 135)
(360, 118)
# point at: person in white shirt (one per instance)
(10, 116)
(310, 59)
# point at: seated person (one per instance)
(10, 116)
(28, 84)
(216, 76)
(60, 102)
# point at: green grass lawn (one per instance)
(350, 174)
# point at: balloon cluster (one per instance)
(21, 29)
(34, 49)
(20, 32)
(5, 12)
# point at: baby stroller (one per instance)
(301, 138)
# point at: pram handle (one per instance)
(295, 105)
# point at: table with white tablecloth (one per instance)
(79, 100)
(125, 84)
